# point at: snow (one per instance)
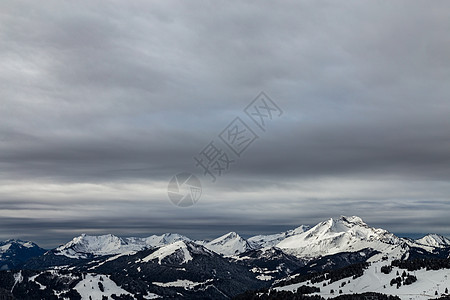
(28, 245)
(262, 241)
(89, 287)
(228, 244)
(165, 251)
(264, 277)
(18, 278)
(33, 278)
(264, 273)
(5, 247)
(186, 284)
(113, 258)
(428, 282)
(265, 241)
(151, 296)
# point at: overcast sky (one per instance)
(102, 102)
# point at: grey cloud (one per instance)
(117, 93)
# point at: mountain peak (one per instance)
(179, 252)
(228, 244)
(83, 245)
(13, 252)
(231, 235)
(298, 230)
(341, 224)
(26, 244)
(434, 240)
(178, 248)
(345, 234)
(226, 237)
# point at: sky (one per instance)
(103, 102)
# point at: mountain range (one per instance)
(175, 266)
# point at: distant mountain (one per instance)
(228, 244)
(15, 252)
(434, 240)
(85, 246)
(345, 234)
(176, 253)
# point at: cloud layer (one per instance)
(102, 103)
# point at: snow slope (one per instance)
(89, 287)
(263, 241)
(179, 248)
(428, 282)
(179, 252)
(186, 284)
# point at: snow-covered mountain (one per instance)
(179, 252)
(85, 246)
(15, 252)
(228, 244)
(346, 234)
(157, 240)
(263, 241)
(434, 240)
(181, 270)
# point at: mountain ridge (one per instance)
(327, 237)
